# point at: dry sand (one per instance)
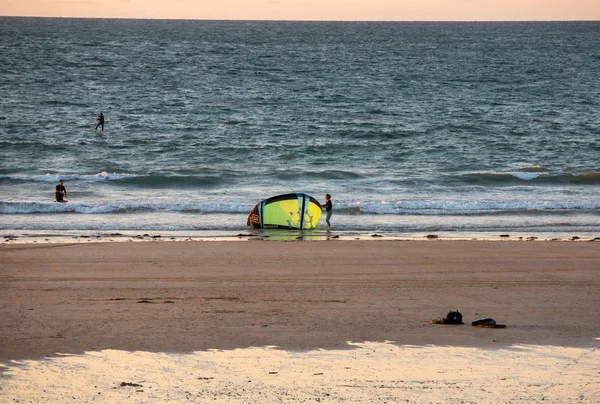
(308, 299)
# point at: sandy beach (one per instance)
(276, 301)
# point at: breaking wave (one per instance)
(101, 176)
(148, 180)
(531, 175)
(420, 208)
(117, 207)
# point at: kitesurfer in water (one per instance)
(100, 120)
(61, 192)
(328, 209)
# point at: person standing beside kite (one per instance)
(328, 208)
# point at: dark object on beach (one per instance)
(487, 323)
(431, 236)
(123, 384)
(376, 235)
(504, 235)
(453, 317)
(574, 238)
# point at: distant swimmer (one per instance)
(100, 120)
(328, 208)
(61, 192)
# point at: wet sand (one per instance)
(299, 321)
(190, 296)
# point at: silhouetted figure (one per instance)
(61, 192)
(100, 120)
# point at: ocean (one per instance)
(414, 128)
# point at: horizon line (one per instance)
(283, 20)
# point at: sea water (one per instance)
(415, 128)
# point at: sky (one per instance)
(349, 10)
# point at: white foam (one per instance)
(133, 205)
(527, 176)
(101, 176)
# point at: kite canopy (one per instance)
(289, 211)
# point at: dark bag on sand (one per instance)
(487, 323)
(453, 317)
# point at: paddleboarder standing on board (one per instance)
(100, 120)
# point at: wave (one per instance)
(534, 169)
(102, 176)
(118, 207)
(466, 207)
(531, 175)
(401, 208)
(179, 181)
(318, 175)
(149, 181)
